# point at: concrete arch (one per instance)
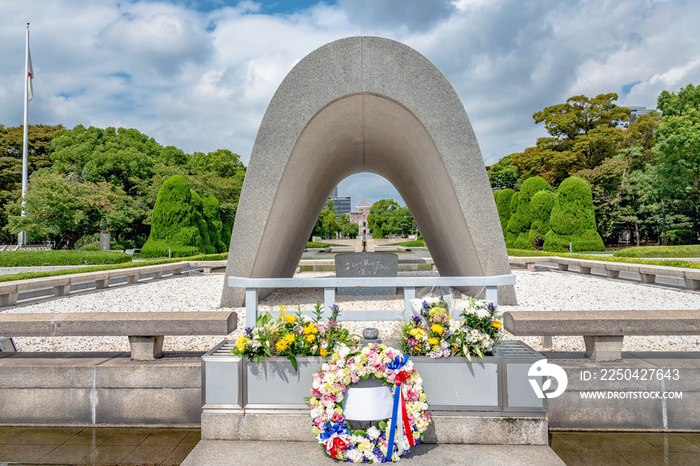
(366, 104)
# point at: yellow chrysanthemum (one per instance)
(323, 352)
(289, 338)
(241, 341)
(436, 329)
(290, 319)
(417, 333)
(282, 345)
(432, 341)
(496, 324)
(310, 338)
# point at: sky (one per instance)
(199, 74)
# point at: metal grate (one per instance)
(516, 349)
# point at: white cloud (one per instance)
(201, 79)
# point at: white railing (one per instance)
(329, 284)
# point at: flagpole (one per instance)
(22, 237)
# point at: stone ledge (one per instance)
(444, 429)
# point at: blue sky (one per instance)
(200, 74)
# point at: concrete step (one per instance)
(261, 453)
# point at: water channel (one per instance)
(126, 446)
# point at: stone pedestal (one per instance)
(105, 241)
(366, 264)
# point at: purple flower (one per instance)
(416, 319)
(249, 331)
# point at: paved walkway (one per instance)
(257, 453)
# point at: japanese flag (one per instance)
(30, 76)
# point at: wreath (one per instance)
(348, 365)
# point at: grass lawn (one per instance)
(692, 250)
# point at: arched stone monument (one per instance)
(366, 104)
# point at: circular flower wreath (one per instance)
(347, 366)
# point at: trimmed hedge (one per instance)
(520, 220)
(49, 258)
(668, 263)
(98, 268)
(680, 237)
(541, 207)
(660, 251)
(183, 222)
(573, 219)
(212, 215)
(503, 200)
(313, 245)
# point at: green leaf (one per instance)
(293, 360)
(383, 425)
(478, 352)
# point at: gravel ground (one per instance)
(548, 290)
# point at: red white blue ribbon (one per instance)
(334, 437)
(401, 376)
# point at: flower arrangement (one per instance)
(434, 333)
(348, 365)
(293, 335)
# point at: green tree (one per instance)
(503, 175)
(580, 115)
(678, 148)
(11, 139)
(174, 224)
(63, 210)
(379, 218)
(327, 224)
(573, 219)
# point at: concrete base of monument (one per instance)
(444, 429)
(259, 453)
(488, 400)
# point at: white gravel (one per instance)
(536, 291)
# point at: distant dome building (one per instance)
(359, 216)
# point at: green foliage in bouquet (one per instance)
(434, 333)
(293, 335)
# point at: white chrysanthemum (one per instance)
(317, 411)
(482, 313)
(352, 454)
(373, 433)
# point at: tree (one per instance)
(327, 224)
(175, 223)
(121, 156)
(63, 210)
(503, 175)
(573, 219)
(379, 217)
(580, 115)
(347, 228)
(550, 159)
(11, 140)
(678, 148)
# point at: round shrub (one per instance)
(573, 219)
